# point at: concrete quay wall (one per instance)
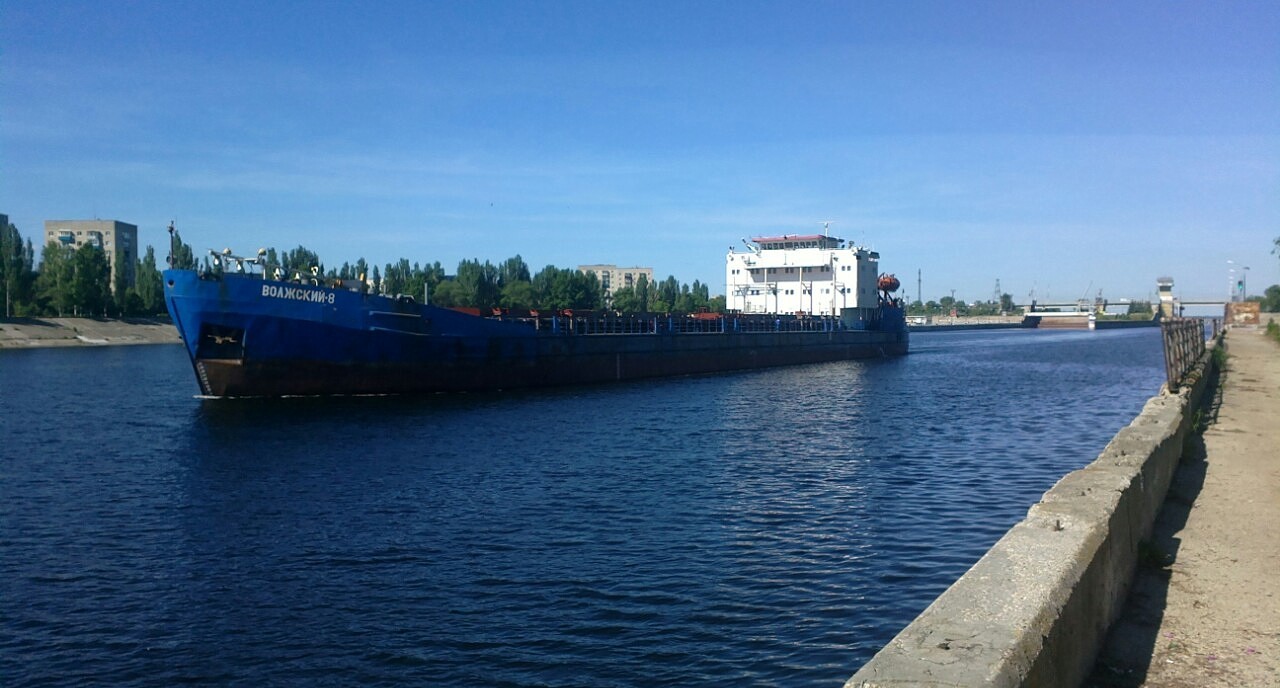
(1035, 609)
(23, 333)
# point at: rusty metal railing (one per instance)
(1183, 347)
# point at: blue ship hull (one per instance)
(253, 337)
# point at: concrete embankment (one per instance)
(963, 322)
(1035, 609)
(23, 333)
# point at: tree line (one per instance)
(72, 281)
(947, 304)
(509, 284)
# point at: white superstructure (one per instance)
(813, 274)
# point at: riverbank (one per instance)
(1202, 611)
(25, 333)
(1034, 610)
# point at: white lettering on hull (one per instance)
(276, 291)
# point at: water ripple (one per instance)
(769, 527)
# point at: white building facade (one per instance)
(812, 274)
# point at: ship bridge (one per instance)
(815, 274)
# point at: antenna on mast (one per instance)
(826, 227)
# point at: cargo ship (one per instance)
(252, 331)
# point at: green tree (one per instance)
(91, 280)
(415, 282)
(1006, 303)
(17, 272)
(644, 294)
(1139, 308)
(637, 298)
(513, 269)
(554, 287)
(272, 264)
(149, 287)
(120, 283)
(180, 254)
(625, 301)
(395, 277)
(478, 283)
(301, 260)
(448, 294)
(518, 295)
(53, 285)
(432, 275)
(667, 292)
(1271, 299)
(585, 290)
(685, 301)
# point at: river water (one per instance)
(771, 527)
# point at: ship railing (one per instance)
(677, 324)
(225, 262)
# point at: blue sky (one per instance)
(1061, 148)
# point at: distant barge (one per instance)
(250, 335)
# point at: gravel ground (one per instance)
(1205, 609)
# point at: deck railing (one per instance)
(670, 324)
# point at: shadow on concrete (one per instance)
(33, 322)
(1126, 654)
